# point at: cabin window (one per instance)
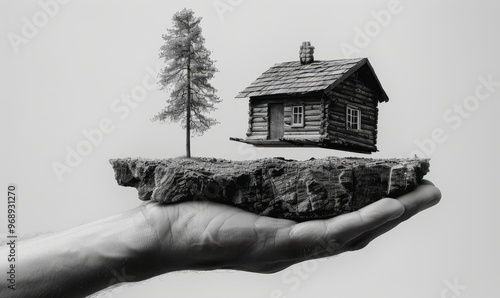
(297, 116)
(353, 118)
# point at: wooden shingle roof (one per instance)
(295, 78)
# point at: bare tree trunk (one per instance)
(188, 109)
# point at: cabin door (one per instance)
(276, 121)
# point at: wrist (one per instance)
(88, 258)
(129, 245)
(120, 248)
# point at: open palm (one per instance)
(205, 235)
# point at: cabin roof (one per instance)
(295, 78)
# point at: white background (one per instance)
(69, 74)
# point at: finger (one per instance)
(425, 182)
(423, 197)
(325, 237)
(271, 266)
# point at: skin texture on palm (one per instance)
(154, 239)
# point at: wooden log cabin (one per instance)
(331, 104)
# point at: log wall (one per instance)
(357, 94)
(314, 117)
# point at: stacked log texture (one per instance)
(298, 190)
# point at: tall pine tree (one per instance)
(187, 74)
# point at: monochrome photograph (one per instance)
(237, 148)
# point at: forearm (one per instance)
(83, 260)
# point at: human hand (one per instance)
(204, 235)
(154, 239)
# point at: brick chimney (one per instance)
(306, 53)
